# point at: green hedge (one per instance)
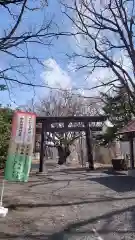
(5, 130)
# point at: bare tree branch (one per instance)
(107, 30)
(65, 104)
(16, 40)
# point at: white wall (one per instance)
(125, 147)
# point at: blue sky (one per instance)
(58, 70)
(56, 52)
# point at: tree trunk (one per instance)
(63, 152)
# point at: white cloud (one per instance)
(84, 45)
(72, 67)
(104, 75)
(55, 76)
(100, 75)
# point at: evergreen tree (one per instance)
(5, 130)
(120, 108)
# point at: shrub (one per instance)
(5, 129)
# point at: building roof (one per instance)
(129, 128)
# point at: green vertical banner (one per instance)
(19, 158)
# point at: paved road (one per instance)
(67, 204)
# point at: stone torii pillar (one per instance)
(89, 146)
(41, 164)
(131, 146)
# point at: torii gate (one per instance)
(83, 125)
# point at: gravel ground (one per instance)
(69, 204)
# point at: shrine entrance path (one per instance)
(70, 204)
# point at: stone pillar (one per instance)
(89, 146)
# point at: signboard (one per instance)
(19, 158)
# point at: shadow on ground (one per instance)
(66, 204)
(112, 222)
(77, 229)
(117, 183)
(79, 170)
